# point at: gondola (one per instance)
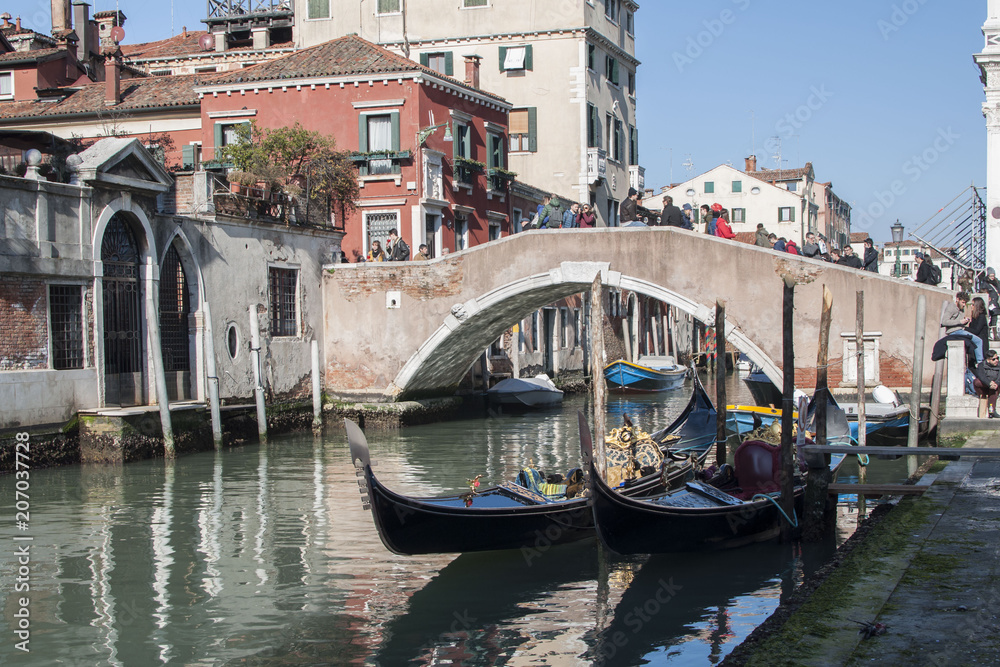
(514, 516)
(650, 374)
(702, 515)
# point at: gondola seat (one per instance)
(758, 468)
(532, 480)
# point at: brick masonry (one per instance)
(893, 372)
(441, 279)
(24, 323)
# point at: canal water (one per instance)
(264, 556)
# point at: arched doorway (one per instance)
(175, 308)
(124, 376)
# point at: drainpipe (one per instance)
(153, 335)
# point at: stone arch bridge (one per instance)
(396, 331)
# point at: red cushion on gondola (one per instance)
(758, 467)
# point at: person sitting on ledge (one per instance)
(987, 382)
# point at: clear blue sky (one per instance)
(857, 87)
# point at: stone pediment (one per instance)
(123, 164)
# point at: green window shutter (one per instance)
(425, 59)
(792, 209)
(218, 139)
(362, 133)
(615, 70)
(187, 156)
(449, 64)
(528, 57)
(503, 56)
(394, 120)
(456, 140)
(533, 129)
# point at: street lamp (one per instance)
(428, 131)
(897, 238)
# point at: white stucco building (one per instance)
(989, 65)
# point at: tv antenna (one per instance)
(688, 164)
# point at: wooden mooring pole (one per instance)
(597, 371)
(859, 342)
(258, 373)
(720, 383)
(213, 378)
(916, 385)
(787, 407)
(818, 481)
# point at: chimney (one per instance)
(751, 163)
(112, 81)
(60, 15)
(81, 24)
(6, 19)
(184, 31)
(17, 24)
(472, 70)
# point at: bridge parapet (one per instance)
(402, 330)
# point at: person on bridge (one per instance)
(954, 320)
(422, 253)
(762, 238)
(551, 214)
(978, 324)
(376, 254)
(987, 382)
(928, 274)
(791, 248)
(722, 228)
(587, 218)
(850, 259)
(570, 215)
(776, 243)
(627, 211)
(870, 261)
(688, 214)
(671, 215)
(400, 251)
(706, 217)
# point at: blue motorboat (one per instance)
(649, 374)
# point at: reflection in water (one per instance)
(264, 554)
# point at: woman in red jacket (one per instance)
(792, 248)
(722, 228)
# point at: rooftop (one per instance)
(782, 174)
(350, 55)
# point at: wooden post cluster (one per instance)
(597, 370)
(787, 407)
(720, 382)
(818, 481)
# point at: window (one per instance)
(518, 216)
(906, 251)
(379, 132)
(228, 133)
(461, 233)
(495, 157)
(442, 63)
(612, 213)
(633, 145)
(611, 10)
(611, 69)
(523, 130)
(284, 301)
(593, 133)
(474, 3)
(66, 326)
(377, 226)
(389, 6)
(793, 186)
(592, 57)
(565, 329)
(631, 83)
(629, 22)
(739, 215)
(206, 70)
(709, 187)
(318, 9)
(232, 341)
(737, 187)
(494, 231)
(577, 327)
(513, 58)
(155, 72)
(619, 140)
(786, 214)
(463, 141)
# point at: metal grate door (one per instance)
(175, 337)
(123, 366)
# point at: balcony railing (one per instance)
(466, 170)
(500, 179)
(597, 164)
(252, 203)
(380, 163)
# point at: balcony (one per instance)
(597, 164)
(466, 171)
(500, 179)
(637, 177)
(380, 163)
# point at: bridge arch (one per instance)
(448, 353)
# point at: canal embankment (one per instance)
(921, 572)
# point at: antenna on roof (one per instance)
(688, 164)
(753, 133)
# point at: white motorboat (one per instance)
(535, 392)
